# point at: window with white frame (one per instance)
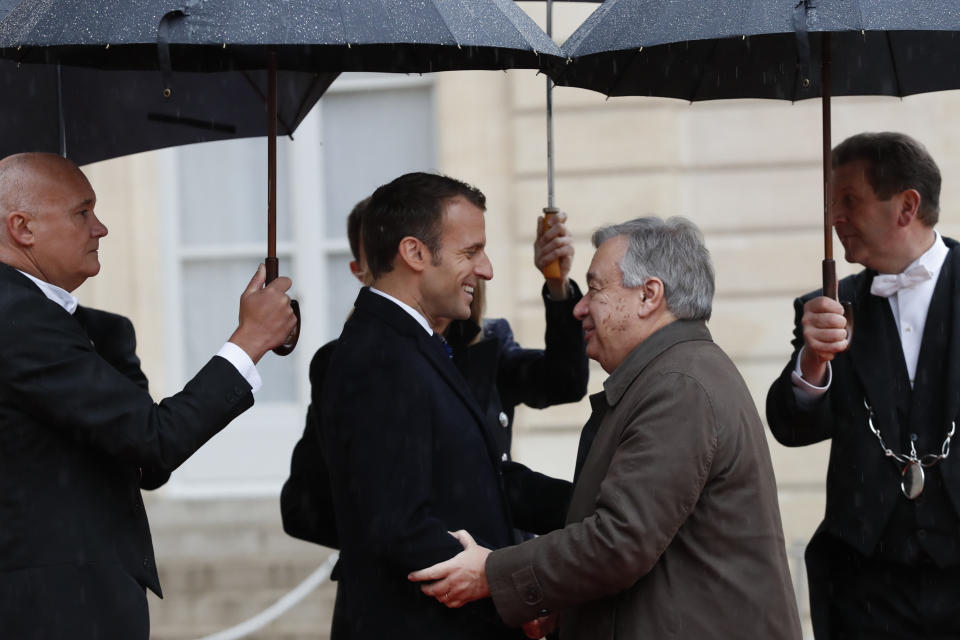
(365, 131)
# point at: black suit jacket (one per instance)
(409, 460)
(863, 486)
(501, 374)
(79, 436)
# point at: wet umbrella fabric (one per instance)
(767, 49)
(326, 36)
(90, 115)
(315, 35)
(761, 48)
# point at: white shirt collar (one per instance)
(62, 297)
(416, 315)
(934, 257)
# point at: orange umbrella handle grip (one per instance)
(551, 271)
(273, 267)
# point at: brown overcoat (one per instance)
(673, 530)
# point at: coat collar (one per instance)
(644, 353)
(403, 323)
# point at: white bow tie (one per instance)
(886, 285)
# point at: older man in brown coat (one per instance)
(673, 530)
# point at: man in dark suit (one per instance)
(79, 434)
(885, 561)
(401, 432)
(673, 529)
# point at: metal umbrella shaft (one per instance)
(552, 270)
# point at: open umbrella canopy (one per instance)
(315, 35)
(90, 115)
(763, 48)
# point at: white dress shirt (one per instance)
(229, 351)
(416, 315)
(909, 306)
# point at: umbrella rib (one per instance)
(623, 71)
(706, 65)
(893, 63)
(263, 98)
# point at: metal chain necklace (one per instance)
(911, 476)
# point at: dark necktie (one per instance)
(444, 343)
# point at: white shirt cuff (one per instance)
(808, 394)
(239, 359)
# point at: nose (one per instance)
(580, 310)
(484, 267)
(99, 229)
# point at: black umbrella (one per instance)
(328, 36)
(764, 49)
(89, 115)
(317, 35)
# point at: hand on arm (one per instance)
(824, 336)
(554, 243)
(459, 580)
(266, 318)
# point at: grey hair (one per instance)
(672, 250)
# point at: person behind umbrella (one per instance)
(80, 435)
(885, 561)
(673, 529)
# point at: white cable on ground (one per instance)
(281, 606)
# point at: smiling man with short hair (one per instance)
(400, 429)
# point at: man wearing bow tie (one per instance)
(885, 561)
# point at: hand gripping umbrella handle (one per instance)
(273, 268)
(552, 270)
(830, 291)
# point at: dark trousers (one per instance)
(854, 597)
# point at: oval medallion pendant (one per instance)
(911, 483)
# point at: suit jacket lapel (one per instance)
(403, 323)
(953, 351)
(869, 355)
(433, 352)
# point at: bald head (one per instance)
(24, 176)
(48, 226)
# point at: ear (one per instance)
(652, 297)
(908, 206)
(413, 253)
(356, 270)
(19, 229)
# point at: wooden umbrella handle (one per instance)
(551, 270)
(273, 268)
(829, 266)
(830, 291)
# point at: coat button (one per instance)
(504, 420)
(531, 595)
(504, 458)
(146, 563)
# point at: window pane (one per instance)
(223, 192)
(342, 288)
(211, 297)
(371, 137)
